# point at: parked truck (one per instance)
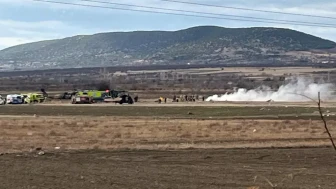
(33, 98)
(116, 96)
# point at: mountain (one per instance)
(197, 45)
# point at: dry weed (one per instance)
(127, 135)
(286, 122)
(79, 124)
(276, 124)
(53, 133)
(186, 135)
(102, 135)
(215, 124)
(117, 135)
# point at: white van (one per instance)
(14, 99)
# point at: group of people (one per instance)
(182, 98)
(187, 98)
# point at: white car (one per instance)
(14, 99)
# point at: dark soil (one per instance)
(231, 168)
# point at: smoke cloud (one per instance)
(293, 91)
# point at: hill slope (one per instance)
(204, 44)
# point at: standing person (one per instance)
(165, 100)
(203, 98)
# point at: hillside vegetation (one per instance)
(204, 44)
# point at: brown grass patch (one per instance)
(88, 132)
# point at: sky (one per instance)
(24, 21)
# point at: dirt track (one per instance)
(200, 112)
(231, 168)
(152, 103)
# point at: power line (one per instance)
(248, 9)
(181, 14)
(206, 13)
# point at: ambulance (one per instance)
(14, 99)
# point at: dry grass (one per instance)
(110, 132)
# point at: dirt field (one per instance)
(230, 168)
(113, 146)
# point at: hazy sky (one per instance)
(23, 21)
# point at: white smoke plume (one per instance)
(293, 91)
